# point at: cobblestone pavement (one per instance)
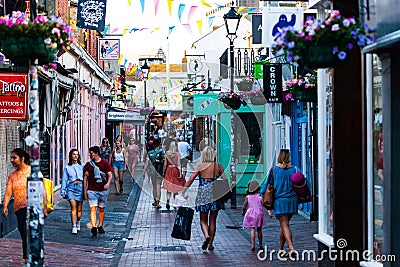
(137, 234)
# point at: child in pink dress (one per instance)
(253, 212)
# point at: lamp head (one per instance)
(146, 70)
(232, 19)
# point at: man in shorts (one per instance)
(185, 151)
(96, 181)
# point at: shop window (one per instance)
(377, 149)
(249, 137)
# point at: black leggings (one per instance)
(21, 218)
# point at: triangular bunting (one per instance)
(181, 8)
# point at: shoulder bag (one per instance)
(269, 195)
(220, 188)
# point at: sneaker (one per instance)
(78, 226)
(100, 229)
(74, 230)
(94, 231)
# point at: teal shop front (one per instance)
(249, 129)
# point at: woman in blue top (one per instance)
(72, 188)
(285, 198)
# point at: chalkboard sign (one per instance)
(45, 154)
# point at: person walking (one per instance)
(285, 198)
(105, 149)
(133, 151)
(72, 188)
(96, 183)
(118, 163)
(173, 180)
(184, 152)
(155, 163)
(17, 186)
(208, 170)
(253, 212)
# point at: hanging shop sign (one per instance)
(108, 49)
(124, 116)
(13, 96)
(256, 27)
(274, 19)
(91, 14)
(272, 83)
(205, 104)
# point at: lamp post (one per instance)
(146, 70)
(232, 19)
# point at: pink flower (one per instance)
(308, 38)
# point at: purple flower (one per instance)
(335, 50)
(350, 46)
(342, 55)
(291, 45)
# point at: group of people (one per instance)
(92, 180)
(166, 165)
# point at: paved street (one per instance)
(139, 235)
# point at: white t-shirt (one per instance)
(183, 148)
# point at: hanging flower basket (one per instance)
(257, 100)
(23, 40)
(244, 85)
(20, 49)
(320, 56)
(303, 89)
(306, 95)
(322, 43)
(232, 100)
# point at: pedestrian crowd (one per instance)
(165, 164)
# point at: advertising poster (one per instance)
(13, 96)
(109, 49)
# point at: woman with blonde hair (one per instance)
(285, 198)
(208, 170)
(173, 180)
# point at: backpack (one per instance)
(157, 158)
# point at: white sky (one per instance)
(137, 43)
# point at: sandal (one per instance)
(210, 247)
(205, 243)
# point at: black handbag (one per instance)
(183, 223)
(220, 189)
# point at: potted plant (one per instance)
(321, 44)
(232, 100)
(146, 111)
(23, 40)
(245, 84)
(256, 97)
(303, 89)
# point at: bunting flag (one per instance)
(204, 3)
(200, 25)
(120, 59)
(132, 70)
(114, 30)
(210, 21)
(170, 6)
(251, 10)
(170, 28)
(155, 29)
(181, 8)
(191, 12)
(106, 28)
(133, 30)
(124, 32)
(156, 2)
(125, 62)
(188, 28)
(142, 5)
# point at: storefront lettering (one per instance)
(14, 87)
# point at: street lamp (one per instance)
(145, 70)
(232, 19)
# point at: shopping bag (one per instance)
(49, 190)
(183, 223)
